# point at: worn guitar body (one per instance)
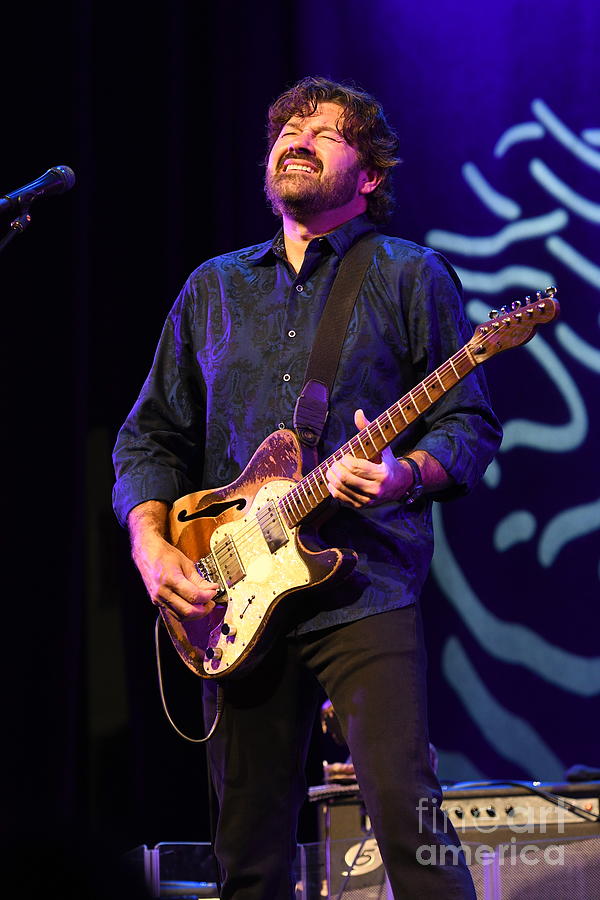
(252, 537)
(261, 559)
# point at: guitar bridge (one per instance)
(207, 569)
(271, 527)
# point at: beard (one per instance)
(298, 194)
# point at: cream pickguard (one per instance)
(267, 577)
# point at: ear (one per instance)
(368, 181)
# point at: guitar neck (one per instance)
(309, 493)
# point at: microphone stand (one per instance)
(17, 226)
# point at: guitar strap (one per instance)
(312, 406)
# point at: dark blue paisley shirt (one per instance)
(230, 364)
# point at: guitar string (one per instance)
(465, 353)
(312, 480)
(354, 443)
(294, 494)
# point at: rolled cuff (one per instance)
(160, 484)
(464, 466)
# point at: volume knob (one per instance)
(213, 653)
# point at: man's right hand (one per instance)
(171, 579)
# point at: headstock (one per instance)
(511, 327)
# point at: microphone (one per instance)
(55, 181)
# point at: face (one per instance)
(312, 169)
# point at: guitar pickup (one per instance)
(271, 527)
(229, 562)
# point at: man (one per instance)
(227, 372)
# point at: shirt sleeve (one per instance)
(158, 449)
(461, 430)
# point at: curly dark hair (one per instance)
(363, 126)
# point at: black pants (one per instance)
(373, 671)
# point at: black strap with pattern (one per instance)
(312, 406)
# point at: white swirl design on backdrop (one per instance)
(556, 237)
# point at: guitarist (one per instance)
(227, 372)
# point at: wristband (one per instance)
(417, 488)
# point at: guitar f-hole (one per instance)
(212, 511)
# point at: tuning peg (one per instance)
(503, 310)
(493, 314)
(551, 290)
(515, 304)
(528, 299)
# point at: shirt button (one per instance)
(291, 333)
(286, 377)
(299, 288)
(281, 425)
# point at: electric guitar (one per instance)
(252, 537)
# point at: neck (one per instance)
(297, 233)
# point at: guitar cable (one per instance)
(350, 869)
(219, 700)
(202, 740)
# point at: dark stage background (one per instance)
(161, 116)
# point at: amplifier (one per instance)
(521, 806)
(513, 833)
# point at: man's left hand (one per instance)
(359, 482)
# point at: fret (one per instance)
(374, 433)
(408, 409)
(320, 482)
(312, 489)
(370, 440)
(361, 445)
(293, 500)
(402, 412)
(414, 402)
(302, 489)
(457, 360)
(387, 413)
(312, 486)
(470, 355)
(283, 509)
(306, 501)
(376, 422)
(464, 359)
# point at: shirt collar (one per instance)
(340, 240)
